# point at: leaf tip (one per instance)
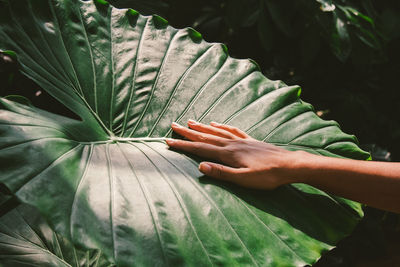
(159, 22)
(19, 99)
(299, 92)
(132, 16)
(102, 2)
(9, 53)
(225, 48)
(132, 13)
(255, 63)
(195, 35)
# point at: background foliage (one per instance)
(344, 54)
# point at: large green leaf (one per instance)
(27, 240)
(110, 182)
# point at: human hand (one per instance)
(243, 159)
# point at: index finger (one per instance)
(196, 148)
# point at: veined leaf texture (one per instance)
(109, 182)
(27, 240)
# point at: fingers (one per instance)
(194, 135)
(210, 130)
(233, 130)
(221, 172)
(197, 148)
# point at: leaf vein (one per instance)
(283, 124)
(91, 59)
(65, 47)
(76, 191)
(145, 194)
(111, 180)
(225, 93)
(198, 93)
(269, 229)
(180, 201)
(113, 72)
(153, 87)
(133, 80)
(177, 85)
(211, 201)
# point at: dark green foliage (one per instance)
(107, 180)
(146, 7)
(345, 68)
(27, 240)
(348, 72)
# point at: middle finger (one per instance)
(200, 127)
(197, 136)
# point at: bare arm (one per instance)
(251, 163)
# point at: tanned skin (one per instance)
(251, 163)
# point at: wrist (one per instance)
(300, 167)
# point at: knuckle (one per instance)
(219, 171)
(202, 138)
(197, 126)
(179, 143)
(236, 130)
(228, 128)
(233, 146)
(220, 142)
(196, 146)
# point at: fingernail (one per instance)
(192, 122)
(176, 124)
(170, 141)
(215, 123)
(205, 168)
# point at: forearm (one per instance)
(376, 184)
(255, 164)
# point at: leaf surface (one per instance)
(109, 181)
(27, 240)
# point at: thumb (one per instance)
(219, 171)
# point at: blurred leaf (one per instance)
(340, 39)
(19, 99)
(310, 45)
(353, 15)
(378, 153)
(241, 13)
(369, 8)
(368, 38)
(7, 61)
(282, 13)
(208, 13)
(364, 31)
(147, 7)
(326, 5)
(265, 31)
(389, 24)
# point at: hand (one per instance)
(244, 160)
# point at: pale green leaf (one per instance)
(27, 240)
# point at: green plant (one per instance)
(299, 25)
(109, 182)
(27, 240)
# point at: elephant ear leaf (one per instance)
(109, 182)
(27, 240)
